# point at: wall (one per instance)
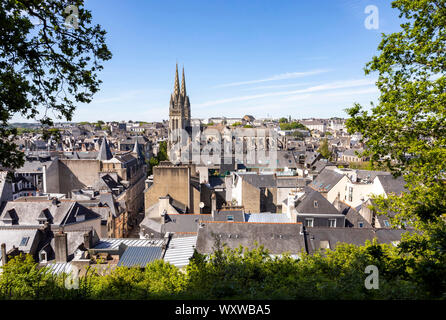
(250, 197)
(322, 221)
(169, 180)
(52, 177)
(77, 174)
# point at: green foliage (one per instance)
(236, 124)
(409, 123)
(406, 131)
(323, 149)
(45, 65)
(283, 120)
(250, 274)
(161, 156)
(292, 125)
(248, 126)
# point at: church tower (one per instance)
(179, 109)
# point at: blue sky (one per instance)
(264, 58)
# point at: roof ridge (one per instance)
(229, 222)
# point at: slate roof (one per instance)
(33, 166)
(139, 256)
(356, 236)
(260, 180)
(222, 215)
(217, 182)
(125, 157)
(107, 199)
(14, 236)
(326, 180)
(306, 204)
(392, 184)
(104, 151)
(286, 159)
(183, 222)
(353, 217)
(27, 211)
(370, 174)
(291, 182)
(276, 238)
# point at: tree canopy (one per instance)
(406, 130)
(46, 64)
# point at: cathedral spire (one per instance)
(177, 83)
(183, 85)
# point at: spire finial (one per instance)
(183, 85)
(177, 82)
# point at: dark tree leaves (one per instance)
(45, 67)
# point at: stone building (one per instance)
(179, 109)
(181, 184)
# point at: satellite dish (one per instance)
(201, 205)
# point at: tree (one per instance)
(46, 65)
(283, 120)
(406, 130)
(161, 156)
(323, 149)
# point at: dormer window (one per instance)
(10, 217)
(45, 216)
(43, 256)
(316, 205)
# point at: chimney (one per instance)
(4, 256)
(44, 179)
(87, 240)
(61, 246)
(213, 204)
(163, 205)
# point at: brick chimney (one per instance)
(61, 246)
(163, 205)
(88, 240)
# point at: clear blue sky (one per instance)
(264, 58)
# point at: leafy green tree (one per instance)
(323, 149)
(292, 125)
(406, 130)
(283, 120)
(45, 66)
(161, 156)
(22, 279)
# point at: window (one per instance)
(24, 241)
(230, 218)
(332, 223)
(324, 244)
(386, 223)
(350, 193)
(315, 204)
(42, 256)
(361, 224)
(309, 222)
